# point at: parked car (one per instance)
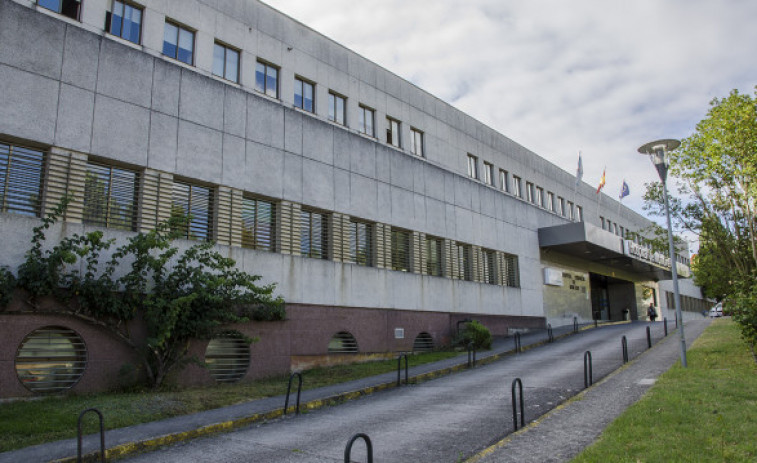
(716, 310)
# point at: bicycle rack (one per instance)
(289, 389)
(368, 447)
(472, 351)
(518, 345)
(399, 363)
(665, 325)
(79, 436)
(515, 409)
(575, 324)
(649, 338)
(550, 334)
(624, 344)
(588, 373)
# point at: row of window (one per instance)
(111, 198)
(628, 234)
(688, 303)
(534, 194)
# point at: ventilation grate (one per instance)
(343, 343)
(423, 343)
(227, 357)
(51, 359)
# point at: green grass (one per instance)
(29, 422)
(706, 412)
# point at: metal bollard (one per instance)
(399, 363)
(649, 338)
(79, 436)
(624, 345)
(299, 390)
(665, 325)
(515, 408)
(550, 334)
(518, 345)
(471, 355)
(575, 324)
(368, 447)
(588, 373)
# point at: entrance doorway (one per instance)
(612, 299)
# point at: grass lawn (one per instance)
(706, 412)
(29, 422)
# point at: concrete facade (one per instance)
(83, 94)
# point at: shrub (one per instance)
(476, 333)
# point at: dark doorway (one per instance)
(612, 299)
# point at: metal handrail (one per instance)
(79, 436)
(519, 383)
(289, 389)
(368, 447)
(399, 363)
(624, 345)
(588, 371)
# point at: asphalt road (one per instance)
(444, 420)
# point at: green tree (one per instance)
(716, 173)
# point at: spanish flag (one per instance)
(602, 181)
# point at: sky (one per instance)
(602, 77)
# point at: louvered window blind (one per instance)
(463, 254)
(400, 250)
(313, 234)
(512, 277)
(21, 175)
(110, 197)
(433, 256)
(361, 243)
(258, 224)
(488, 265)
(195, 203)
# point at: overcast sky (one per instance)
(603, 76)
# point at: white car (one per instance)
(716, 310)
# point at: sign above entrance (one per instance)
(642, 253)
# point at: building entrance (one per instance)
(612, 299)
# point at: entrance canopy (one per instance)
(591, 243)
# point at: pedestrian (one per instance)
(651, 313)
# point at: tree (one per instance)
(716, 171)
(179, 296)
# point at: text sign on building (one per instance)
(642, 253)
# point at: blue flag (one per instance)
(624, 190)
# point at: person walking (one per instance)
(651, 313)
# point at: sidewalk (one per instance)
(129, 440)
(565, 431)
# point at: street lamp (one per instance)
(657, 151)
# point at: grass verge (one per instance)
(25, 423)
(706, 412)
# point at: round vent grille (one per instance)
(227, 357)
(423, 343)
(51, 359)
(343, 343)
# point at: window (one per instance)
(602, 221)
(615, 227)
(21, 171)
(579, 214)
(227, 357)
(416, 138)
(361, 243)
(124, 21)
(517, 191)
(561, 206)
(393, 132)
(400, 250)
(540, 196)
(488, 173)
(69, 8)
(304, 94)
(314, 232)
(51, 359)
(225, 62)
(433, 256)
(258, 224)
(530, 192)
(489, 267)
(366, 119)
(472, 166)
(337, 108)
(570, 210)
(463, 255)
(550, 201)
(504, 181)
(622, 232)
(110, 197)
(511, 271)
(178, 43)
(267, 79)
(193, 203)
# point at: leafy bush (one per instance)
(476, 333)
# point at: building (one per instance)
(385, 215)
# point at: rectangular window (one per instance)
(267, 79)
(125, 21)
(615, 228)
(530, 197)
(464, 268)
(393, 132)
(540, 196)
(472, 166)
(400, 250)
(304, 94)
(314, 234)
(579, 214)
(21, 174)
(488, 173)
(622, 232)
(194, 205)
(570, 210)
(361, 243)
(561, 206)
(602, 221)
(69, 8)
(110, 197)
(489, 266)
(337, 108)
(433, 256)
(225, 62)
(504, 181)
(178, 43)
(366, 118)
(416, 138)
(517, 190)
(258, 224)
(550, 201)
(512, 277)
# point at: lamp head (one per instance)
(657, 152)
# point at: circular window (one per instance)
(51, 359)
(423, 343)
(343, 343)
(228, 357)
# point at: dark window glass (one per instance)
(489, 266)
(433, 256)
(193, 203)
(69, 8)
(511, 271)
(401, 250)
(258, 224)
(21, 171)
(313, 234)
(110, 197)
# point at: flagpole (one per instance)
(579, 174)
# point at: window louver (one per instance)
(313, 234)
(21, 175)
(361, 243)
(423, 343)
(463, 255)
(401, 250)
(51, 359)
(433, 256)
(194, 202)
(343, 343)
(511, 271)
(110, 197)
(488, 265)
(258, 224)
(227, 357)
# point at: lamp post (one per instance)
(657, 151)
